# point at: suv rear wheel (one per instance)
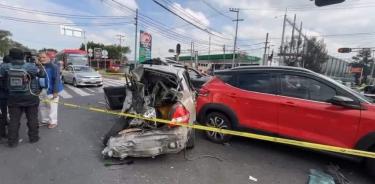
(370, 163)
(218, 120)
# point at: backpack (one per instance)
(18, 79)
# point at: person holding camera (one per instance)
(23, 89)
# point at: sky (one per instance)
(344, 25)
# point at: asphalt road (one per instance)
(71, 154)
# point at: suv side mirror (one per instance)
(345, 102)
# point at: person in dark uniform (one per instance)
(3, 103)
(23, 89)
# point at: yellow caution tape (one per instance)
(303, 144)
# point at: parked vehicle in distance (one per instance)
(72, 57)
(155, 91)
(80, 75)
(290, 102)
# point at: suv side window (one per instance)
(305, 88)
(227, 77)
(258, 82)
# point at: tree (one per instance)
(49, 50)
(313, 55)
(363, 60)
(4, 42)
(114, 51)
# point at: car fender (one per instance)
(366, 142)
(218, 108)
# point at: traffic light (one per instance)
(178, 49)
(344, 50)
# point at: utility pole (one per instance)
(120, 38)
(191, 53)
(292, 39)
(136, 37)
(224, 52)
(196, 59)
(299, 38)
(373, 64)
(209, 46)
(265, 51)
(236, 10)
(282, 38)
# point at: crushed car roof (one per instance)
(164, 68)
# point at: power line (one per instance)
(181, 17)
(299, 9)
(216, 10)
(48, 13)
(63, 23)
(160, 27)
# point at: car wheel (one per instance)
(217, 120)
(119, 125)
(370, 163)
(75, 83)
(63, 80)
(191, 139)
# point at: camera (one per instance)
(30, 57)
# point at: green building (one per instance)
(218, 61)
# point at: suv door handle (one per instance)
(232, 95)
(289, 103)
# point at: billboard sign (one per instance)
(71, 31)
(145, 46)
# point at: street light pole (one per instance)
(236, 10)
(136, 37)
(265, 51)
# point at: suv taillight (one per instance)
(179, 115)
(203, 92)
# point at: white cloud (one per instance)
(125, 9)
(193, 16)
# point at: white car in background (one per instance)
(80, 75)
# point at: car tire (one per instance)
(75, 83)
(63, 80)
(217, 120)
(191, 139)
(119, 125)
(370, 164)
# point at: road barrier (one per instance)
(302, 144)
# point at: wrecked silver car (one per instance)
(154, 91)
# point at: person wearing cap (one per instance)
(22, 95)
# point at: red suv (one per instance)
(289, 102)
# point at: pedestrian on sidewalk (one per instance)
(23, 90)
(50, 94)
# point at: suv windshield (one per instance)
(363, 97)
(83, 69)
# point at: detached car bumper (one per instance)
(150, 143)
